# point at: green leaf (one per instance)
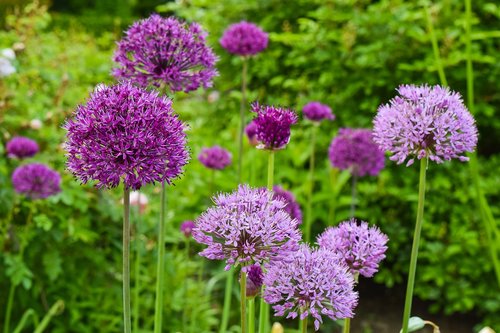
(52, 264)
(415, 324)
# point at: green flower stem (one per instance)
(416, 241)
(137, 266)
(243, 301)
(304, 325)
(270, 171)
(185, 286)
(347, 325)
(227, 301)
(307, 227)
(251, 315)
(8, 311)
(243, 103)
(160, 265)
(126, 258)
(435, 48)
(353, 194)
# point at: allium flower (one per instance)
(21, 147)
(6, 67)
(8, 54)
(125, 132)
(159, 50)
(246, 227)
(273, 126)
(314, 282)
(315, 111)
(255, 279)
(35, 124)
(215, 157)
(244, 39)
(425, 122)
(355, 150)
(138, 199)
(36, 181)
(292, 206)
(187, 228)
(251, 132)
(361, 247)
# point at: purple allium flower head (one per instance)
(316, 111)
(361, 247)
(165, 51)
(21, 147)
(424, 121)
(125, 132)
(273, 126)
(36, 181)
(187, 228)
(244, 39)
(313, 282)
(255, 279)
(354, 149)
(215, 157)
(245, 227)
(251, 132)
(292, 206)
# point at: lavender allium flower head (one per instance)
(125, 133)
(273, 126)
(36, 181)
(159, 50)
(425, 122)
(292, 206)
(361, 247)
(354, 149)
(244, 39)
(316, 111)
(21, 147)
(215, 157)
(255, 279)
(251, 132)
(187, 228)
(247, 227)
(313, 282)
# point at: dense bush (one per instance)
(348, 54)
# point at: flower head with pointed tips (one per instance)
(292, 206)
(273, 126)
(36, 181)
(244, 39)
(21, 147)
(425, 122)
(215, 157)
(316, 111)
(245, 227)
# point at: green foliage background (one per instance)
(348, 54)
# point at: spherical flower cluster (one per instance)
(138, 199)
(187, 228)
(353, 149)
(314, 282)
(244, 39)
(292, 206)
(245, 227)
(36, 181)
(125, 132)
(215, 157)
(159, 50)
(251, 132)
(361, 247)
(255, 279)
(273, 126)
(425, 122)
(21, 147)
(316, 111)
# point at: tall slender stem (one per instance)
(416, 242)
(243, 295)
(185, 286)
(347, 325)
(160, 265)
(137, 265)
(227, 301)
(242, 115)
(8, 312)
(304, 324)
(270, 171)
(435, 48)
(251, 315)
(310, 189)
(126, 261)
(353, 194)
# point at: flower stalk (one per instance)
(251, 315)
(307, 229)
(126, 261)
(243, 103)
(160, 265)
(243, 301)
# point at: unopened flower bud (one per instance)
(277, 328)
(254, 280)
(35, 124)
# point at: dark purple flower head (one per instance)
(21, 147)
(425, 122)
(215, 157)
(126, 133)
(166, 51)
(244, 39)
(292, 206)
(315, 111)
(353, 149)
(361, 247)
(255, 279)
(251, 132)
(314, 282)
(273, 126)
(245, 227)
(36, 181)
(187, 228)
